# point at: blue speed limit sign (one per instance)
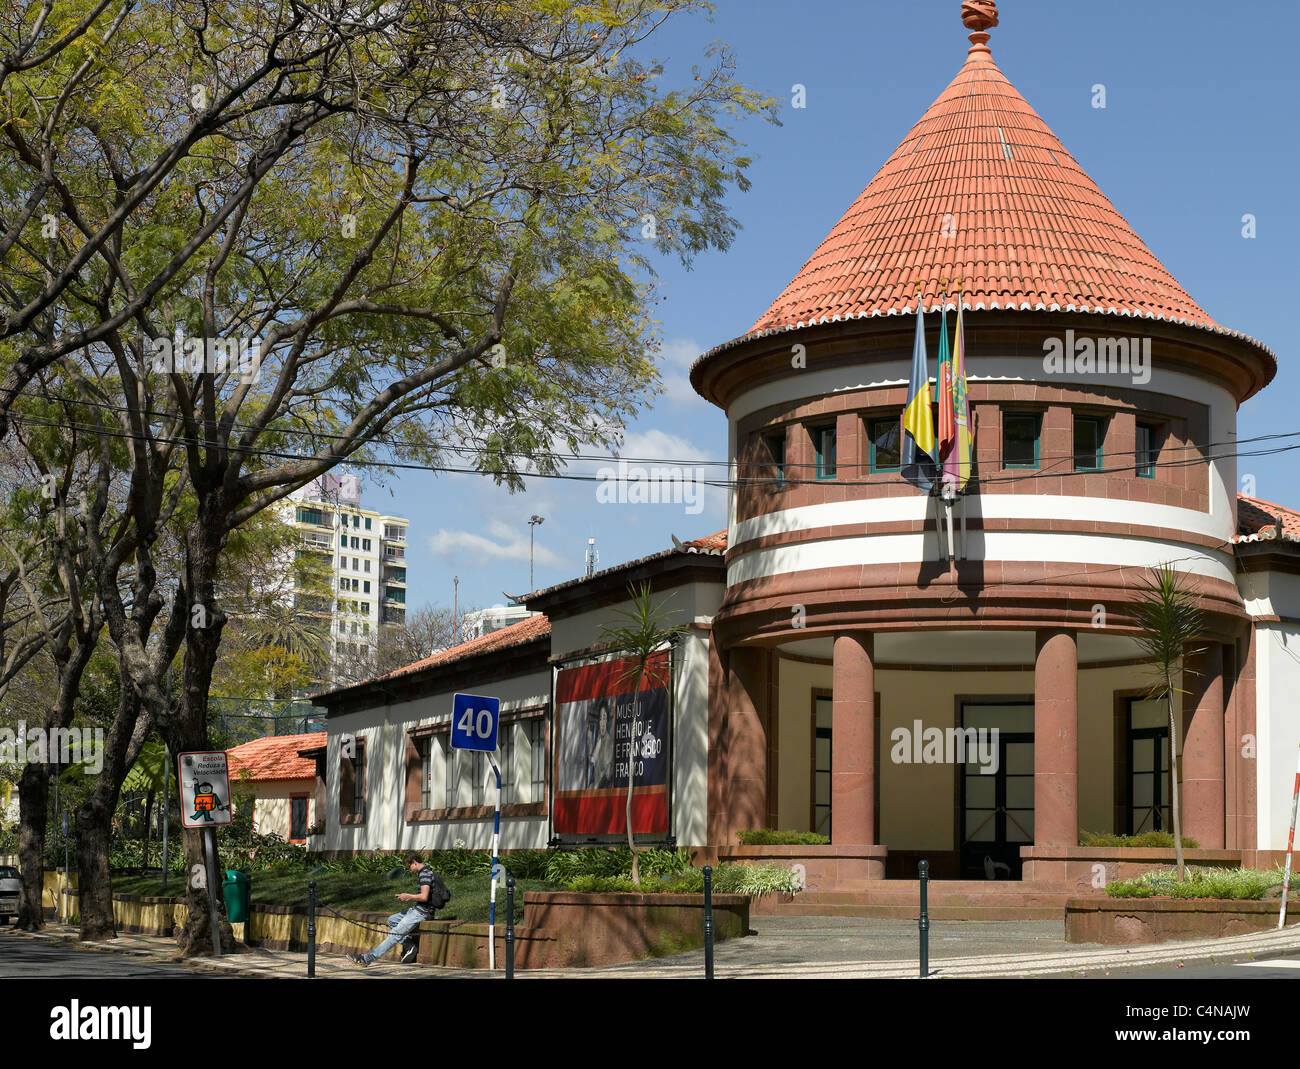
(474, 722)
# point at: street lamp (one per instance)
(533, 522)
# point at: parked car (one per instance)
(9, 888)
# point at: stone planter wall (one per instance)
(1088, 869)
(1131, 921)
(826, 868)
(601, 929)
(560, 929)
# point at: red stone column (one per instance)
(853, 769)
(745, 740)
(1203, 808)
(1056, 739)
(1248, 775)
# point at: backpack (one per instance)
(439, 896)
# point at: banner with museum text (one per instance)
(593, 720)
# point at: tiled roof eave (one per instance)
(980, 306)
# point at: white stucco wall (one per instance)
(1277, 726)
(384, 728)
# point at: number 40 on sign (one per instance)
(474, 720)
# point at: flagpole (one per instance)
(945, 487)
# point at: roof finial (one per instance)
(980, 16)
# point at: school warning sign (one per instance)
(205, 789)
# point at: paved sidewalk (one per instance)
(785, 948)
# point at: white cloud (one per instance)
(502, 541)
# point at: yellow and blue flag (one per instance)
(918, 453)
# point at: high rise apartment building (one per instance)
(363, 557)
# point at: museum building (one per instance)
(840, 632)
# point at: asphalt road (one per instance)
(1285, 967)
(28, 959)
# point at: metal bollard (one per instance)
(311, 930)
(924, 922)
(708, 922)
(510, 926)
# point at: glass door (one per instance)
(997, 789)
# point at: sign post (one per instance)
(205, 804)
(474, 723)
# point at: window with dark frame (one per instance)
(774, 446)
(1147, 800)
(425, 748)
(1089, 438)
(1020, 439)
(884, 437)
(506, 745)
(352, 780)
(537, 741)
(453, 775)
(298, 818)
(1148, 449)
(824, 445)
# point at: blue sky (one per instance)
(1199, 129)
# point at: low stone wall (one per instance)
(560, 929)
(1088, 869)
(1131, 921)
(602, 929)
(825, 868)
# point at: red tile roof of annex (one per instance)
(981, 189)
(1259, 521)
(274, 758)
(535, 627)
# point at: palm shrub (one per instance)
(1169, 619)
(643, 631)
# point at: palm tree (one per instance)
(1169, 619)
(643, 631)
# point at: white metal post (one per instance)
(1290, 843)
(496, 842)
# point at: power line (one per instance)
(471, 450)
(776, 481)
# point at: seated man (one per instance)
(403, 924)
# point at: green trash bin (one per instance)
(237, 889)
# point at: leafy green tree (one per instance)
(434, 220)
(643, 632)
(1170, 620)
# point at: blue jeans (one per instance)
(401, 925)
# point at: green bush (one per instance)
(768, 837)
(1200, 883)
(729, 879)
(565, 865)
(1147, 839)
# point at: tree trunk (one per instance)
(190, 728)
(95, 816)
(33, 797)
(95, 898)
(1173, 787)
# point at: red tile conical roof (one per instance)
(982, 190)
